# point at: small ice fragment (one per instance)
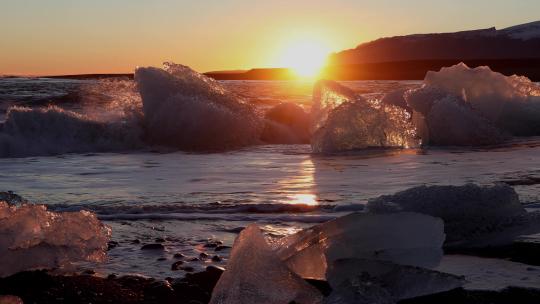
(256, 275)
(31, 237)
(403, 238)
(371, 277)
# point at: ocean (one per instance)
(192, 202)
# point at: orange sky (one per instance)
(69, 36)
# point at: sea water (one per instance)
(190, 201)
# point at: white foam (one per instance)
(52, 130)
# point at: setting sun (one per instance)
(306, 58)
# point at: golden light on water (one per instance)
(304, 199)
(299, 186)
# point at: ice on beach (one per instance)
(31, 237)
(286, 123)
(402, 238)
(476, 106)
(469, 212)
(372, 281)
(343, 121)
(190, 111)
(256, 275)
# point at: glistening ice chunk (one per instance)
(403, 238)
(31, 237)
(468, 211)
(512, 103)
(256, 275)
(343, 121)
(190, 111)
(386, 281)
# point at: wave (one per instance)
(52, 130)
(216, 211)
(213, 208)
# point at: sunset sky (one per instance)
(113, 36)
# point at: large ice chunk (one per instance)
(344, 121)
(188, 110)
(256, 275)
(512, 103)
(31, 237)
(403, 238)
(372, 281)
(468, 211)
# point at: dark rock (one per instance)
(322, 286)
(89, 272)
(178, 256)
(217, 258)
(203, 256)
(111, 245)
(194, 259)
(153, 247)
(222, 247)
(135, 241)
(161, 259)
(176, 265)
(519, 251)
(462, 296)
(160, 240)
(187, 268)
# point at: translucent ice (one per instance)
(190, 111)
(468, 211)
(256, 275)
(343, 121)
(403, 238)
(478, 101)
(371, 281)
(31, 237)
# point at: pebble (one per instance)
(203, 256)
(153, 247)
(217, 258)
(187, 269)
(176, 265)
(222, 247)
(178, 256)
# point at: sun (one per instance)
(305, 58)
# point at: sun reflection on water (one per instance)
(303, 199)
